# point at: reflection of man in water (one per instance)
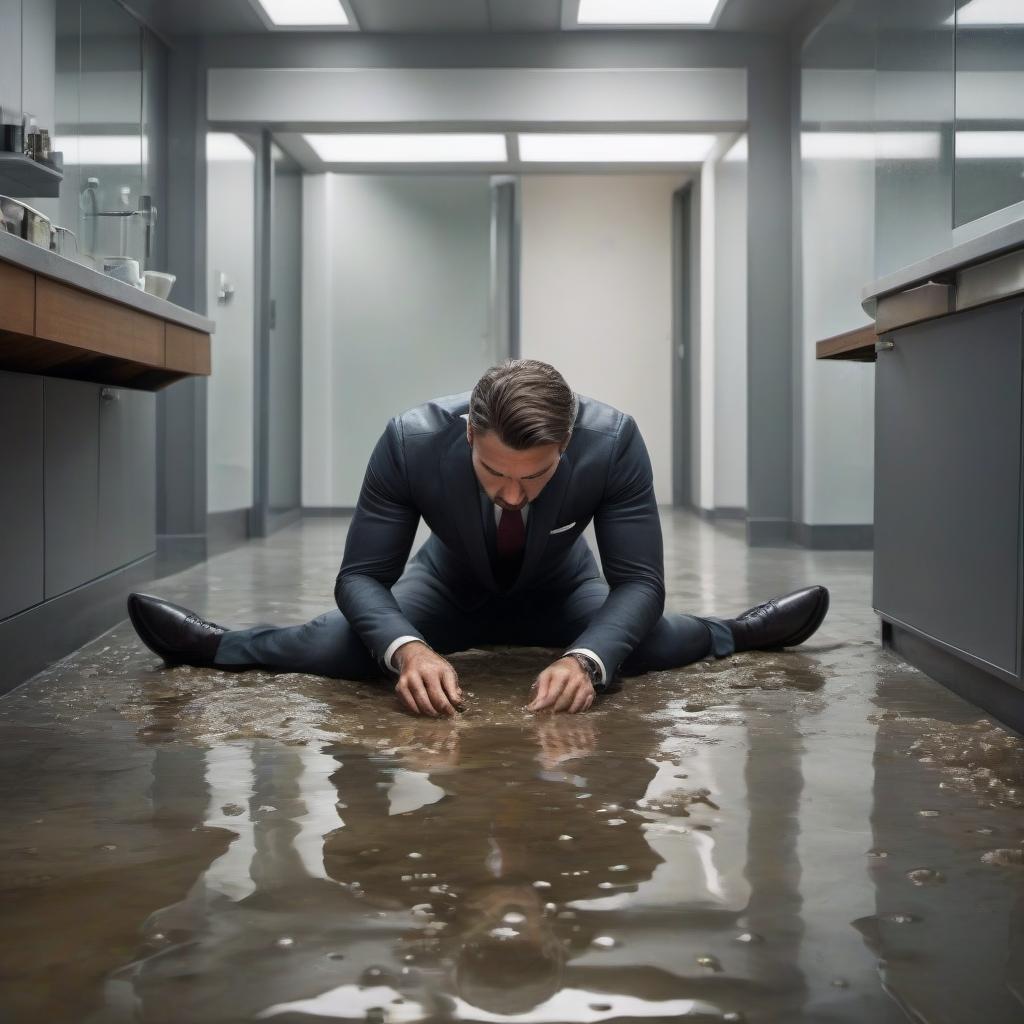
(507, 477)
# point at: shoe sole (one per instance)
(811, 626)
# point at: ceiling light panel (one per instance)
(989, 13)
(409, 149)
(223, 146)
(989, 145)
(613, 149)
(647, 12)
(304, 13)
(870, 145)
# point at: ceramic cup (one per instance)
(158, 284)
(124, 269)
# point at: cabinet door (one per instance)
(21, 492)
(948, 482)
(72, 483)
(127, 476)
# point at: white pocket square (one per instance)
(562, 529)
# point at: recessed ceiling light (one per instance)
(989, 145)
(647, 12)
(424, 148)
(993, 13)
(869, 145)
(223, 146)
(737, 152)
(102, 150)
(621, 148)
(305, 13)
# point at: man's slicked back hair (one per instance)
(525, 402)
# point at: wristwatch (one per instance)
(589, 666)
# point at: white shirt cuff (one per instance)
(392, 647)
(591, 654)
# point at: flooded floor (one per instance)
(816, 835)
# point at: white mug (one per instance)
(122, 268)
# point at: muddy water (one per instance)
(820, 835)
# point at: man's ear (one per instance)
(469, 434)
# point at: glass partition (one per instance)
(110, 107)
(914, 107)
(989, 172)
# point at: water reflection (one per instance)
(266, 847)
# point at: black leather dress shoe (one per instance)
(178, 635)
(782, 621)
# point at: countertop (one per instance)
(994, 243)
(41, 261)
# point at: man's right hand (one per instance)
(427, 684)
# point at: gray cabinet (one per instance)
(948, 484)
(126, 519)
(100, 483)
(21, 493)
(72, 448)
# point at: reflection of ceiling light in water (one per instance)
(989, 12)
(647, 12)
(222, 146)
(869, 145)
(102, 150)
(409, 149)
(613, 149)
(989, 145)
(304, 12)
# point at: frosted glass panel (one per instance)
(989, 112)
(914, 97)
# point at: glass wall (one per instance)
(914, 108)
(837, 254)
(989, 175)
(110, 111)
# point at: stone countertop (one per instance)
(41, 261)
(993, 243)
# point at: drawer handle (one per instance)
(885, 346)
(110, 395)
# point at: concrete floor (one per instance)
(821, 834)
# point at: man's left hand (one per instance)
(563, 686)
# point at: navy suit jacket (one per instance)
(422, 466)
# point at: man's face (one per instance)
(511, 478)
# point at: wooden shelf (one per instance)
(22, 177)
(51, 328)
(855, 346)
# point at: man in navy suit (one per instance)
(507, 477)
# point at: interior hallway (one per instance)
(820, 834)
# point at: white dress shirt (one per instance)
(398, 641)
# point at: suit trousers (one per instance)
(329, 646)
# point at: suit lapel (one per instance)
(543, 513)
(463, 499)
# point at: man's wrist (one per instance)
(390, 655)
(589, 665)
(406, 650)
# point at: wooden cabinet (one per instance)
(17, 299)
(52, 328)
(948, 454)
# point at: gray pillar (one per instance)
(770, 391)
(181, 408)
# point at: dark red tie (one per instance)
(511, 534)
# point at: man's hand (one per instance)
(563, 686)
(427, 685)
